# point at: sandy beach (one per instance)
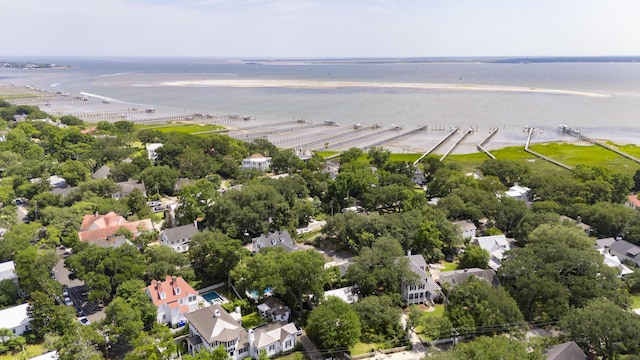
(322, 84)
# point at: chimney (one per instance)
(173, 281)
(579, 220)
(157, 284)
(252, 340)
(238, 310)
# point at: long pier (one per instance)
(410, 132)
(466, 133)
(480, 146)
(450, 134)
(526, 148)
(572, 132)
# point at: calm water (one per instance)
(615, 116)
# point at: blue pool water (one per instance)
(212, 297)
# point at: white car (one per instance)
(67, 301)
(84, 321)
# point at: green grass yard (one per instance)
(29, 352)
(252, 320)
(363, 348)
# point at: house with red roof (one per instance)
(97, 228)
(174, 298)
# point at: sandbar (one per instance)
(325, 84)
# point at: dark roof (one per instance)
(102, 173)
(277, 238)
(604, 243)
(126, 187)
(626, 248)
(277, 307)
(214, 323)
(456, 277)
(565, 351)
(180, 232)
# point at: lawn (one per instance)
(298, 355)
(635, 301)
(29, 350)
(252, 320)
(438, 312)
(448, 266)
(363, 348)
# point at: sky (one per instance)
(319, 28)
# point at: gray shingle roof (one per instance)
(215, 328)
(456, 277)
(180, 232)
(278, 238)
(565, 351)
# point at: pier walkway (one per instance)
(396, 137)
(526, 148)
(437, 145)
(466, 133)
(480, 146)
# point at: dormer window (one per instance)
(176, 290)
(163, 295)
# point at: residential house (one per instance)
(518, 192)
(15, 318)
(54, 180)
(178, 238)
(456, 277)
(424, 290)
(578, 221)
(625, 251)
(8, 271)
(349, 294)
(633, 202)
(151, 150)
(279, 238)
(496, 245)
(304, 154)
(103, 227)
(101, 173)
(256, 161)
(173, 298)
(565, 351)
(467, 228)
(212, 327)
(125, 189)
(273, 309)
(614, 262)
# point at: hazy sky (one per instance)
(319, 28)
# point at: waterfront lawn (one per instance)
(589, 155)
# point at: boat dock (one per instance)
(526, 148)
(576, 133)
(396, 137)
(466, 133)
(480, 146)
(437, 145)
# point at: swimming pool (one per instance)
(212, 297)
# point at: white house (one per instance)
(496, 245)
(256, 161)
(467, 228)
(278, 238)
(518, 192)
(15, 318)
(212, 327)
(178, 238)
(614, 262)
(273, 309)
(173, 298)
(425, 289)
(151, 150)
(8, 271)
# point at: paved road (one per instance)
(309, 347)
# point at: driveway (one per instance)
(309, 347)
(77, 290)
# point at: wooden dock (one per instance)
(526, 148)
(437, 145)
(466, 133)
(576, 133)
(480, 146)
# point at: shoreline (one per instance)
(293, 134)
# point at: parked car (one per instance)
(84, 321)
(67, 301)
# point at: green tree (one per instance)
(159, 179)
(137, 203)
(378, 156)
(74, 172)
(8, 293)
(379, 318)
(220, 353)
(156, 344)
(604, 326)
(334, 325)
(123, 320)
(474, 257)
(286, 161)
(476, 304)
(214, 253)
(490, 348)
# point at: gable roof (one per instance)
(455, 277)
(102, 173)
(276, 305)
(418, 265)
(604, 243)
(169, 291)
(565, 351)
(13, 317)
(626, 248)
(214, 323)
(101, 227)
(279, 238)
(496, 245)
(274, 332)
(180, 232)
(8, 271)
(127, 187)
